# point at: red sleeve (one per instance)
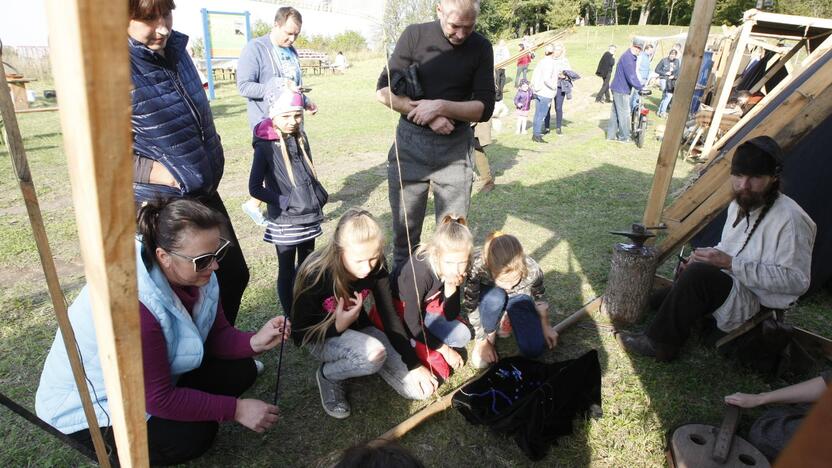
(163, 399)
(226, 342)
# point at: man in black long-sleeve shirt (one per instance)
(435, 140)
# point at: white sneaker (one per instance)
(254, 213)
(260, 367)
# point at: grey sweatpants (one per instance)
(427, 159)
(365, 352)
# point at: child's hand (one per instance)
(744, 400)
(345, 318)
(551, 336)
(542, 308)
(451, 357)
(485, 351)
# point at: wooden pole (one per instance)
(558, 35)
(777, 67)
(30, 198)
(703, 12)
(724, 90)
(91, 64)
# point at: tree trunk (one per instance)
(645, 13)
(629, 17)
(629, 283)
(670, 13)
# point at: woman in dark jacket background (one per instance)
(176, 149)
(604, 71)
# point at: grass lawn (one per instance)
(559, 198)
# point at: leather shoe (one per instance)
(641, 344)
(538, 139)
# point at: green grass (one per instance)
(560, 198)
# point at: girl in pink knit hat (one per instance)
(283, 176)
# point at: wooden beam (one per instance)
(20, 164)
(691, 62)
(727, 84)
(765, 45)
(813, 341)
(789, 115)
(90, 61)
(36, 110)
(774, 69)
(558, 36)
(793, 20)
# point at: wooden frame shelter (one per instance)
(757, 28)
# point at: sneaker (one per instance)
(558, 131)
(253, 212)
(333, 396)
(504, 329)
(538, 139)
(260, 367)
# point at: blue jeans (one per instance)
(451, 332)
(559, 97)
(618, 127)
(665, 102)
(541, 110)
(525, 321)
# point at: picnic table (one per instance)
(17, 86)
(314, 61)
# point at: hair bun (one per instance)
(454, 218)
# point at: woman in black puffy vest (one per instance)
(176, 149)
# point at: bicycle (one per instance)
(638, 123)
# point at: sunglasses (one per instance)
(201, 262)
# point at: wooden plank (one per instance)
(765, 45)
(774, 69)
(790, 114)
(794, 20)
(36, 110)
(90, 59)
(727, 84)
(20, 164)
(814, 341)
(558, 36)
(691, 62)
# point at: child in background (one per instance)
(283, 176)
(523, 102)
(330, 319)
(429, 286)
(504, 280)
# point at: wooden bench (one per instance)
(314, 61)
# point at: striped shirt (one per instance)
(291, 234)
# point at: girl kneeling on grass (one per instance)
(429, 287)
(282, 175)
(196, 365)
(503, 279)
(330, 319)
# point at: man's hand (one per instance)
(425, 111)
(712, 256)
(442, 125)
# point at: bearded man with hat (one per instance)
(763, 258)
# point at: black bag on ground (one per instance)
(533, 402)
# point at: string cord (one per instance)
(403, 206)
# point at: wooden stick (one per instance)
(27, 188)
(445, 402)
(91, 63)
(777, 67)
(36, 110)
(559, 35)
(663, 175)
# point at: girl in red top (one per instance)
(522, 66)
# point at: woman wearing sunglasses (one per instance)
(196, 365)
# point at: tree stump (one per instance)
(630, 280)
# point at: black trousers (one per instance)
(500, 83)
(604, 92)
(289, 259)
(173, 442)
(698, 292)
(233, 273)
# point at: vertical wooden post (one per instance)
(703, 12)
(30, 198)
(90, 62)
(726, 85)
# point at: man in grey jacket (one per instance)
(271, 58)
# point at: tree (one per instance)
(398, 14)
(562, 13)
(261, 28)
